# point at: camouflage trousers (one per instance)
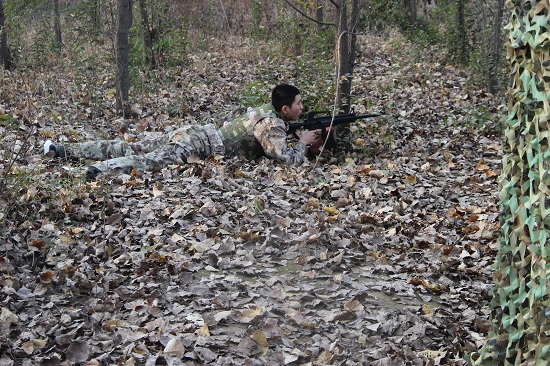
(150, 153)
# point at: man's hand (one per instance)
(309, 137)
(315, 146)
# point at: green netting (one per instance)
(521, 306)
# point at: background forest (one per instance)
(378, 255)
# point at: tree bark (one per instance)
(147, 38)
(496, 44)
(5, 54)
(124, 19)
(343, 57)
(320, 13)
(345, 47)
(96, 14)
(413, 11)
(520, 296)
(461, 33)
(57, 25)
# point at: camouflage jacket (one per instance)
(259, 131)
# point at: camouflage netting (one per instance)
(521, 305)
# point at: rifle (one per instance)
(322, 122)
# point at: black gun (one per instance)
(322, 122)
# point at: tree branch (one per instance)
(305, 15)
(335, 3)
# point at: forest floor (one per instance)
(382, 257)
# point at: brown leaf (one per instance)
(78, 352)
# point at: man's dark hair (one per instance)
(283, 94)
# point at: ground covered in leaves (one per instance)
(381, 257)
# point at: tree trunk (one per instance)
(319, 13)
(343, 58)
(124, 19)
(147, 38)
(520, 298)
(96, 15)
(461, 33)
(413, 12)
(345, 47)
(492, 79)
(57, 26)
(5, 54)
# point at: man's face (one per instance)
(293, 113)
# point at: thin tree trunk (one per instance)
(124, 18)
(57, 26)
(354, 18)
(461, 31)
(492, 80)
(96, 15)
(319, 13)
(343, 57)
(147, 39)
(345, 41)
(413, 11)
(5, 54)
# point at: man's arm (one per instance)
(271, 133)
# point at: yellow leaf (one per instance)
(112, 324)
(203, 331)
(39, 343)
(332, 210)
(489, 173)
(75, 230)
(260, 339)
(252, 313)
(375, 255)
(240, 173)
(431, 286)
(47, 133)
(411, 179)
(427, 309)
(481, 166)
(28, 347)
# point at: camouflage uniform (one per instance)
(258, 131)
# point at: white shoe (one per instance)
(48, 146)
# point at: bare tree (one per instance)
(57, 25)
(320, 13)
(96, 14)
(461, 33)
(413, 11)
(147, 33)
(124, 22)
(345, 23)
(5, 54)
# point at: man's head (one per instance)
(287, 101)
